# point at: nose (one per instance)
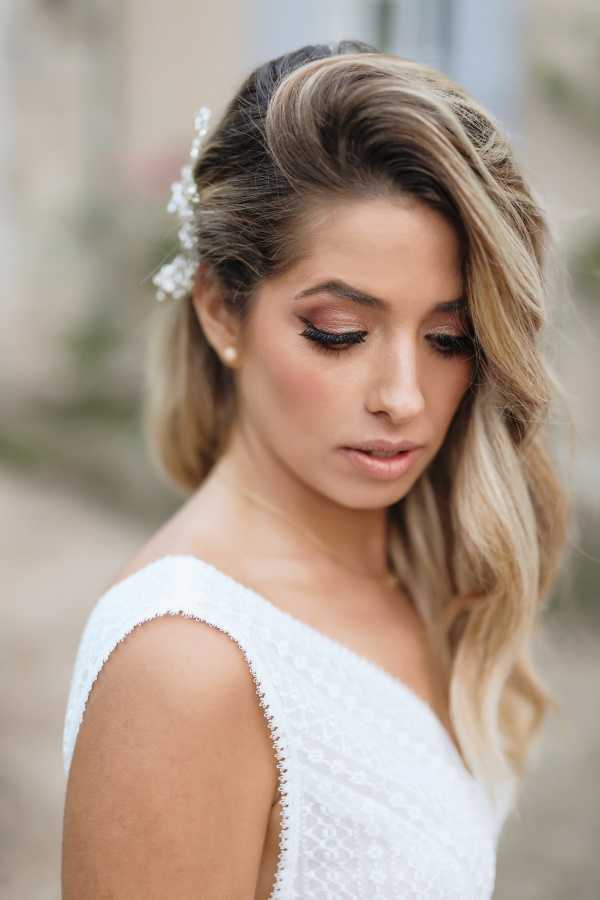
(395, 387)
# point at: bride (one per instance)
(314, 680)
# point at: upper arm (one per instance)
(173, 776)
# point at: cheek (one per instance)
(447, 390)
(306, 390)
(296, 383)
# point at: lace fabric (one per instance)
(376, 802)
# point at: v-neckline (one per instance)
(337, 647)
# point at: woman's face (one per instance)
(380, 271)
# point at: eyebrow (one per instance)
(340, 288)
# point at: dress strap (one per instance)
(173, 586)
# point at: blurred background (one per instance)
(97, 102)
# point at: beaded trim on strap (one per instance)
(114, 617)
(376, 802)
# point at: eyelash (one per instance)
(448, 345)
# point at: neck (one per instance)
(356, 537)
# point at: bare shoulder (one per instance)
(172, 541)
(144, 556)
(158, 799)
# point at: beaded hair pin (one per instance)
(176, 278)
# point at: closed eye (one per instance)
(331, 342)
(448, 345)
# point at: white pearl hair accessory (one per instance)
(176, 277)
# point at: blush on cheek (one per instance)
(302, 390)
(302, 387)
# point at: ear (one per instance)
(222, 328)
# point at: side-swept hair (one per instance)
(477, 540)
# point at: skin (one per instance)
(174, 706)
(300, 403)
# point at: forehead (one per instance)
(390, 248)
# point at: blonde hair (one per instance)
(477, 541)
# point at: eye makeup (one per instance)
(448, 345)
(329, 340)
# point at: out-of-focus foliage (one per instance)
(585, 266)
(577, 589)
(571, 88)
(84, 427)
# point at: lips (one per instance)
(385, 446)
(380, 454)
(381, 468)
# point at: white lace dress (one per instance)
(376, 800)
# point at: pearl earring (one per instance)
(230, 354)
